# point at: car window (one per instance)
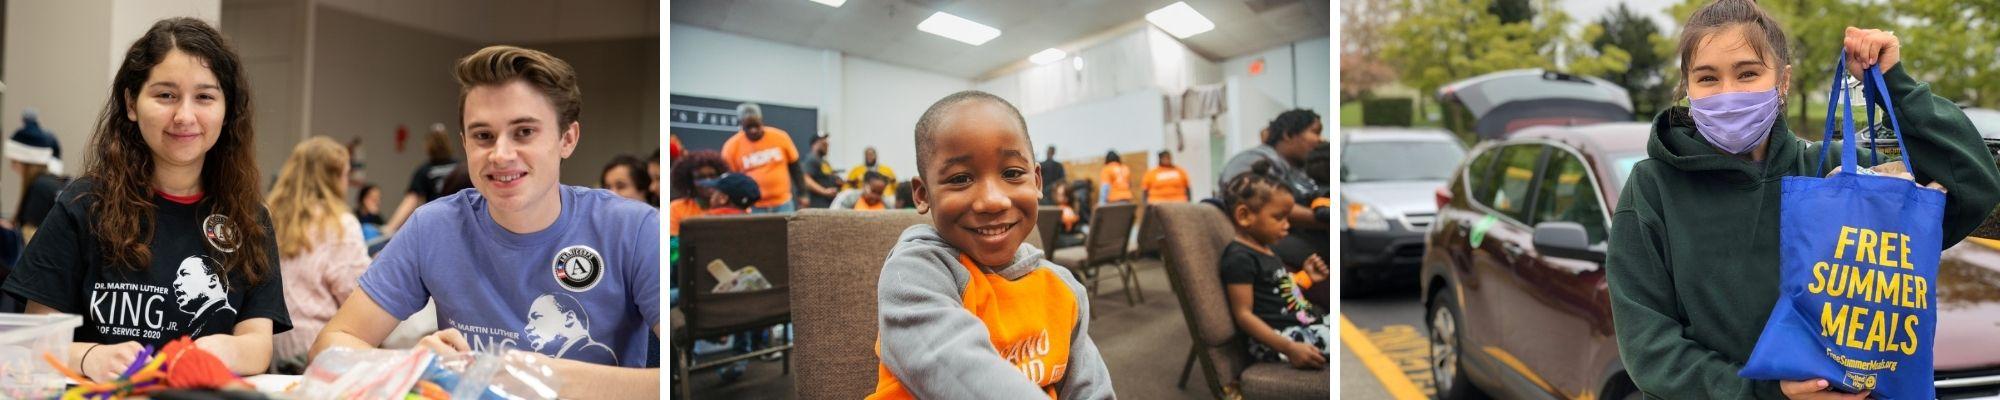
(1410, 160)
(1567, 194)
(1479, 175)
(1517, 171)
(1623, 164)
(1986, 121)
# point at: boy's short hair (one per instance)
(873, 176)
(928, 124)
(497, 65)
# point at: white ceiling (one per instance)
(516, 21)
(886, 30)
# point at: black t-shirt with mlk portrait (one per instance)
(179, 294)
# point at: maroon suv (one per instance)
(1520, 233)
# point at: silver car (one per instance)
(1389, 180)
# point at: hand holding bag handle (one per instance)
(1840, 98)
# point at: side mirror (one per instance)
(1566, 240)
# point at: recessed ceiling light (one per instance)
(834, 3)
(1076, 63)
(1048, 56)
(960, 29)
(1180, 20)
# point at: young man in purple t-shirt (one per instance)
(523, 262)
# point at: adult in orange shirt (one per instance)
(1114, 181)
(1166, 183)
(767, 155)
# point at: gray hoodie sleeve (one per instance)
(1087, 377)
(936, 348)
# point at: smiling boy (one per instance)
(523, 260)
(965, 309)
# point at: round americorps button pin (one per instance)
(220, 233)
(578, 268)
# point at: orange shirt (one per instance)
(1069, 217)
(1120, 179)
(678, 210)
(864, 206)
(1165, 185)
(1029, 320)
(768, 161)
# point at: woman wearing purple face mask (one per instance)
(1693, 254)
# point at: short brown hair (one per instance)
(498, 65)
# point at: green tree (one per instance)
(1953, 45)
(1639, 37)
(1582, 58)
(1440, 41)
(1436, 42)
(1511, 11)
(1362, 27)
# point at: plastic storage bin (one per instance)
(23, 340)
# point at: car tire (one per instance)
(1350, 285)
(1624, 389)
(1446, 338)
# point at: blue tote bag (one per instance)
(1857, 270)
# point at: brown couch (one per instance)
(1195, 234)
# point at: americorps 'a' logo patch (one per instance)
(578, 268)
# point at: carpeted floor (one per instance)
(1144, 346)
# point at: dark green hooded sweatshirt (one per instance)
(1693, 258)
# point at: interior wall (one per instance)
(882, 104)
(273, 48)
(620, 79)
(1116, 100)
(371, 76)
(1295, 74)
(1133, 122)
(722, 65)
(861, 102)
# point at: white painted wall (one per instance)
(1115, 101)
(131, 18)
(1176, 67)
(274, 48)
(716, 64)
(1250, 110)
(371, 75)
(1134, 121)
(1297, 70)
(1119, 65)
(881, 105)
(861, 102)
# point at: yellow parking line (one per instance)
(1385, 370)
